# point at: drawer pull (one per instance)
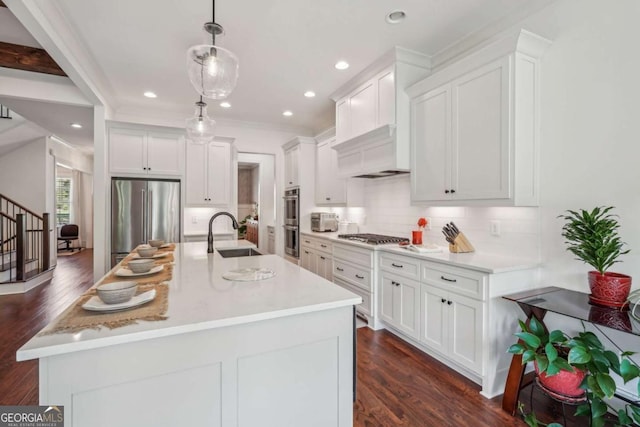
(322, 257)
(443, 300)
(449, 302)
(359, 277)
(324, 246)
(339, 269)
(448, 280)
(397, 265)
(307, 241)
(306, 252)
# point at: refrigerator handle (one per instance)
(144, 216)
(150, 217)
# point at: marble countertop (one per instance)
(478, 261)
(199, 299)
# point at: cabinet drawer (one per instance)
(308, 242)
(324, 246)
(404, 266)
(366, 305)
(354, 275)
(363, 257)
(461, 281)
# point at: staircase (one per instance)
(24, 248)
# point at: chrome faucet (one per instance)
(210, 237)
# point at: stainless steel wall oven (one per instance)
(292, 222)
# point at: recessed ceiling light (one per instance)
(342, 65)
(225, 104)
(309, 94)
(76, 125)
(150, 94)
(287, 113)
(395, 17)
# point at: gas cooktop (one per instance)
(373, 239)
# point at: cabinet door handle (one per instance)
(446, 191)
(290, 182)
(453, 191)
(395, 283)
(339, 269)
(322, 257)
(448, 280)
(359, 276)
(443, 300)
(327, 198)
(449, 302)
(148, 169)
(397, 265)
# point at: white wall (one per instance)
(70, 156)
(23, 175)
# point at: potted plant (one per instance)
(592, 236)
(572, 367)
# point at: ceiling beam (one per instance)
(28, 59)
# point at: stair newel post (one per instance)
(46, 242)
(21, 240)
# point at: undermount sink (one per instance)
(233, 253)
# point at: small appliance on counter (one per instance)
(324, 221)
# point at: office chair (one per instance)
(68, 233)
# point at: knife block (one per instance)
(461, 244)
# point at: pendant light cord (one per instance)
(213, 19)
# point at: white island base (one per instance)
(288, 371)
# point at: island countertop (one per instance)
(200, 298)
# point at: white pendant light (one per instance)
(201, 128)
(213, 70)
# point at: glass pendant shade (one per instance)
(200, 128)
(213, 70)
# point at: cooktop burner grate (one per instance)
(373, 239)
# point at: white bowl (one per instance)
(141, 265)
(147, 252)
(117, 292)
(156, 243)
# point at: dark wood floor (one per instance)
(398, 385)
(23, 315)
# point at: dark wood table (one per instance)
(538, 302)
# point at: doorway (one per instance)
(256, 197)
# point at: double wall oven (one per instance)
(292, 222)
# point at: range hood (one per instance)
(373, 154)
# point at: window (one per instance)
(63, 200)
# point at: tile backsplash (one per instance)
(388, 210)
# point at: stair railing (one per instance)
(24, 239)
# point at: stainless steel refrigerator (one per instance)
(143, 209)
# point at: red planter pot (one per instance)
(564, 383)
(609, 289)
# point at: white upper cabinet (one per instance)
(291, 167)
(474, 127)
(208, 177)
(331, 189)
(372, 122)
(299, 165)
(143, 152)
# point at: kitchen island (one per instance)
(273, 352)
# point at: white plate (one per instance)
(125, 272)
(160, 255)
(249, 274)
(166, 245)
(96, 304)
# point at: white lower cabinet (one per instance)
(316, 256)
(452, 324)
(353, 269)
(400, 303)
(454, 313)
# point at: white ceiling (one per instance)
(285, 47)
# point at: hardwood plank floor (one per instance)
(398, 385)
(23, 315)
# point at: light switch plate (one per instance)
(494, 228)
(194, 220)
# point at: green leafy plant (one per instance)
(592, 236)
(555, 351)
(242, 229)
